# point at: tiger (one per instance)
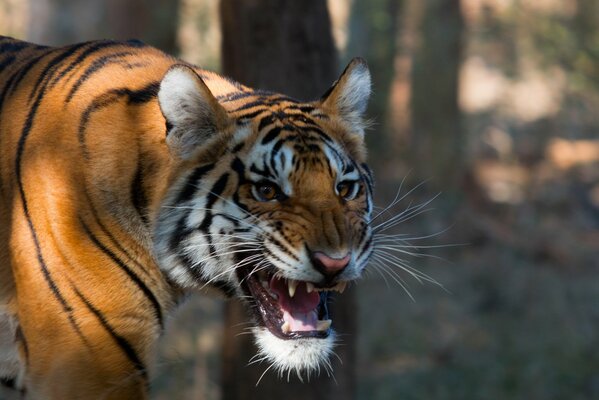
(130, 178)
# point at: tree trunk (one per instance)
(59, 22)
(437, 139)
(285, 46)
(374, 27)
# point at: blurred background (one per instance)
(487, 108)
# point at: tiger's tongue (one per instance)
(300, 310)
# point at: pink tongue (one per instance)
(299, 311)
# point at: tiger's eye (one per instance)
(266, 191)
(347, 189)
(343, 189)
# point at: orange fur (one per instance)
(84, 169)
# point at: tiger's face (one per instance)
(271, 203)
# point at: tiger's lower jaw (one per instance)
(303, 356)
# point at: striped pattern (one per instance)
(106, 223)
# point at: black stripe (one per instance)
(6, 62)
(239, 167)
(250, 115)
(110, 236)
(215, 192)
(96, 66)
(98, 103)
(277, 147)
(33, 62)
(145, 94)
(282, 247)
(233, 96)
(265, 172)
(265, 121)
(125, 346)
(320, 133)
(369, 178)
(238, 147)
(93, 48)
(191, 185)
(249, 105)
(304, 109)
(12, 46)
(267, 251)
(140, 96)
(365, 247)
(18, 172)
(138, 195)
(45, 76)
(17, 76)
(181, 231)
(132, 275)
(272, 135)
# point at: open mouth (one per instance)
(289, 309)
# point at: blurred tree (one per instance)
(437, 142)
(284, 46)
(58, 22)
(373, 28)
(266, 42)
(568, 41)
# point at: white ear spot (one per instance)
(356, 90)
(350, 93)
(191, 111)
(179, 95)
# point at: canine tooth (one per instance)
(264, 284)
(323, 325)
(309, 287)
(292, 286)
(340, 287)
(286, 327)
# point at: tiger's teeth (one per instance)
(286, 327)
(292, 286)
(309, 287)
(264, 284)
(323, 325)
(340, 287)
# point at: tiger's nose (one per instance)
(327, 265)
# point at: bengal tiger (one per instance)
(129, 177)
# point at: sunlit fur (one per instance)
(120, 190)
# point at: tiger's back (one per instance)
(51, 177)
(91, 153)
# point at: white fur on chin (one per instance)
(302, 356)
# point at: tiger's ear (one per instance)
(192, 113)
(348, 97)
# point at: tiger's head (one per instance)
(269, 200)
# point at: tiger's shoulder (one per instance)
(77, 72)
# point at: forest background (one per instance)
(486, 112)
